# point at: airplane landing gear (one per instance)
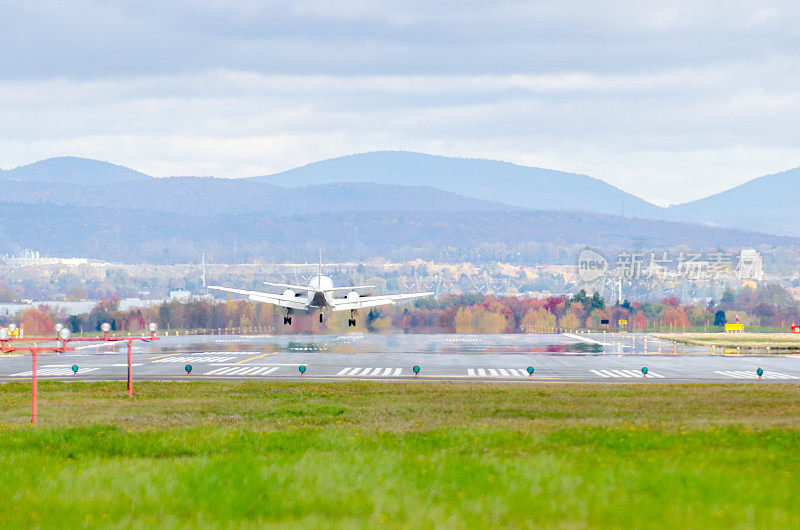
(352, 320)
(320, 317)
(287, 320)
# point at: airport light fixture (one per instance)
(416, 369)
(188, 369)
(302, 369)
(530, 371)
(644, 371)
(759, 372)
(62, 337)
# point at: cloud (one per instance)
(669, 102)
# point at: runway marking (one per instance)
(243, 370)
(54, 370)
(369, 372)
(195, 359)
(503, 372)
(625, 373)
(751, 374)
(112, 345)
(587, 340)
(256, 357)
(162, 356)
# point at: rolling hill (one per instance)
(73, 171)
(528, 236)
(392, 183)
(526, 187)
(205, 196)
(767, 204)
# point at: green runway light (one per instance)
(530, 370)
(644, 370)
(74, 368)
(302, 369)
(760, 372)
(188, 369)
(416, 369)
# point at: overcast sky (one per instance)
(671, 102)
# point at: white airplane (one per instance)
(321, 294)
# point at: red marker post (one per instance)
(130, 369)
(34, 386)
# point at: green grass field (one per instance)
(747, 341)
(409, 455)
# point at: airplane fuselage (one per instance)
(322, 294)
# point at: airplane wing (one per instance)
(344, 304)
(352, 288)
(269, 298)
(290, 286)
(312, 289)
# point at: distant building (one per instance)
(32, 257)
(179, 295)
(751, 266)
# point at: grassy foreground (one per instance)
(755, 341)
(411, 455)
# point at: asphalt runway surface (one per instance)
(555, 358)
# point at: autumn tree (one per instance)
(540, 319)
(36, 322)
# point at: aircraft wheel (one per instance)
(320, 318)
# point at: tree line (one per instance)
(468, 313)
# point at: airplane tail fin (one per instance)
(319, 270)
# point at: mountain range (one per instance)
(385, 198)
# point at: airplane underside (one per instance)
(351, 322)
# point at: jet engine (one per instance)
(352, 295)
(289, 293)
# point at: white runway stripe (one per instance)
(499, 372)
(243, 370)
(194, 359)
(370, 371)
(625, 373)
(54, 371)
(751, 374)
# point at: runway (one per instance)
(554, 358)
